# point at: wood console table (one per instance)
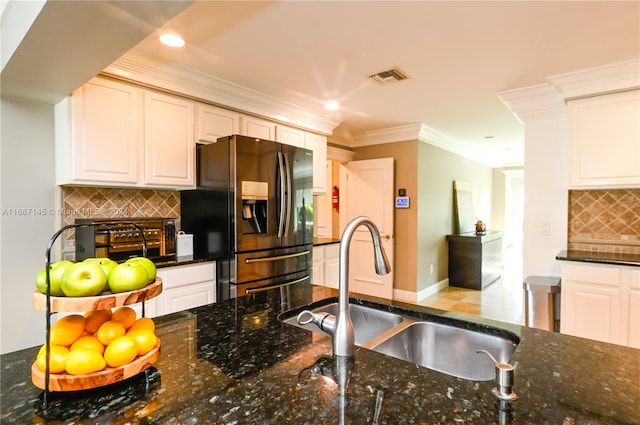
(474, 260)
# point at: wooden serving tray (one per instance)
(110, 375)
(99, 302)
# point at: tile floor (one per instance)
(502, 300)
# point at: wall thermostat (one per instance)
(402, 202)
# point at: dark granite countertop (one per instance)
(600, 257)
(473, 237)
(179, 261)
(236, 363)
(324, 241)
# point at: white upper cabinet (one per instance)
(169, 151)
(605, 140)
(110, 133)
(315, 143)
(256, 127)
(318, 144)
(213, 122)
(99, 134)
(290, 136)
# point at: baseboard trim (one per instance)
(414, 297)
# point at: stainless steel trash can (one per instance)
(542, 302)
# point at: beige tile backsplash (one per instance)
(604, 220)
(102, 202)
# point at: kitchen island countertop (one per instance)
(611, 258)
(236, 363)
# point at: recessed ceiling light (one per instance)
(332, 105)
(172, 40)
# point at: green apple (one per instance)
(84, 279)
(107, 265)
(128, 277)
(149, 266)
(56, 271)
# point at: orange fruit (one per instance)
(109, 331)
(121, 351)
(84, 360)
(126, 315)
(57, 358)
(95, 319)
(66, 330)
(145, 339)
(91, 342)
(143, 323)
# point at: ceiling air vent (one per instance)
(387, 77)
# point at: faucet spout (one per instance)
(343, 336)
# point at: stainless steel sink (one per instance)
(444, 348)
(368, 322)
(448, 349)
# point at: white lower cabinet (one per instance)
(326, 265)
(600, 302)
(185, 287)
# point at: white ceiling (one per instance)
(458, 56)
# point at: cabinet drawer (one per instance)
(332, 250)
(173, 277)
(601, 275)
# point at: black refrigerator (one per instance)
(252, 212)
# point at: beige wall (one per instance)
(438, 170)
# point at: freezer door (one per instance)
(282, 282)
(252, 266)
(298, 198)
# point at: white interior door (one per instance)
(370, 192)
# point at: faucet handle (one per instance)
(325, 321)
(505, 377)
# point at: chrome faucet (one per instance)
(340, 327)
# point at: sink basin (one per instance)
(441, 347)
(448, 349)
(367, 322)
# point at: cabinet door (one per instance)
(332, 265)
(290, 136)
(605, 140)
(591, 303)
(213, 122)
(169, 151)
(150, 308)
(189, 296)
(106, 133)
(256, 127)
(318, 144)
(317, 267)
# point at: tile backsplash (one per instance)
(104, 202)
(604, 220)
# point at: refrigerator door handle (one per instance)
(281, 174)
(275, 258)
(266, 288)
(289, 195)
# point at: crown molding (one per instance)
(537, 101)
(335, 153)
(206, 88)
(386, 135)
(610, 78)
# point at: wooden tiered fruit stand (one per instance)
(60, 382)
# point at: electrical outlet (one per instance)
(431, 269)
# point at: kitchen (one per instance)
(540, 250)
